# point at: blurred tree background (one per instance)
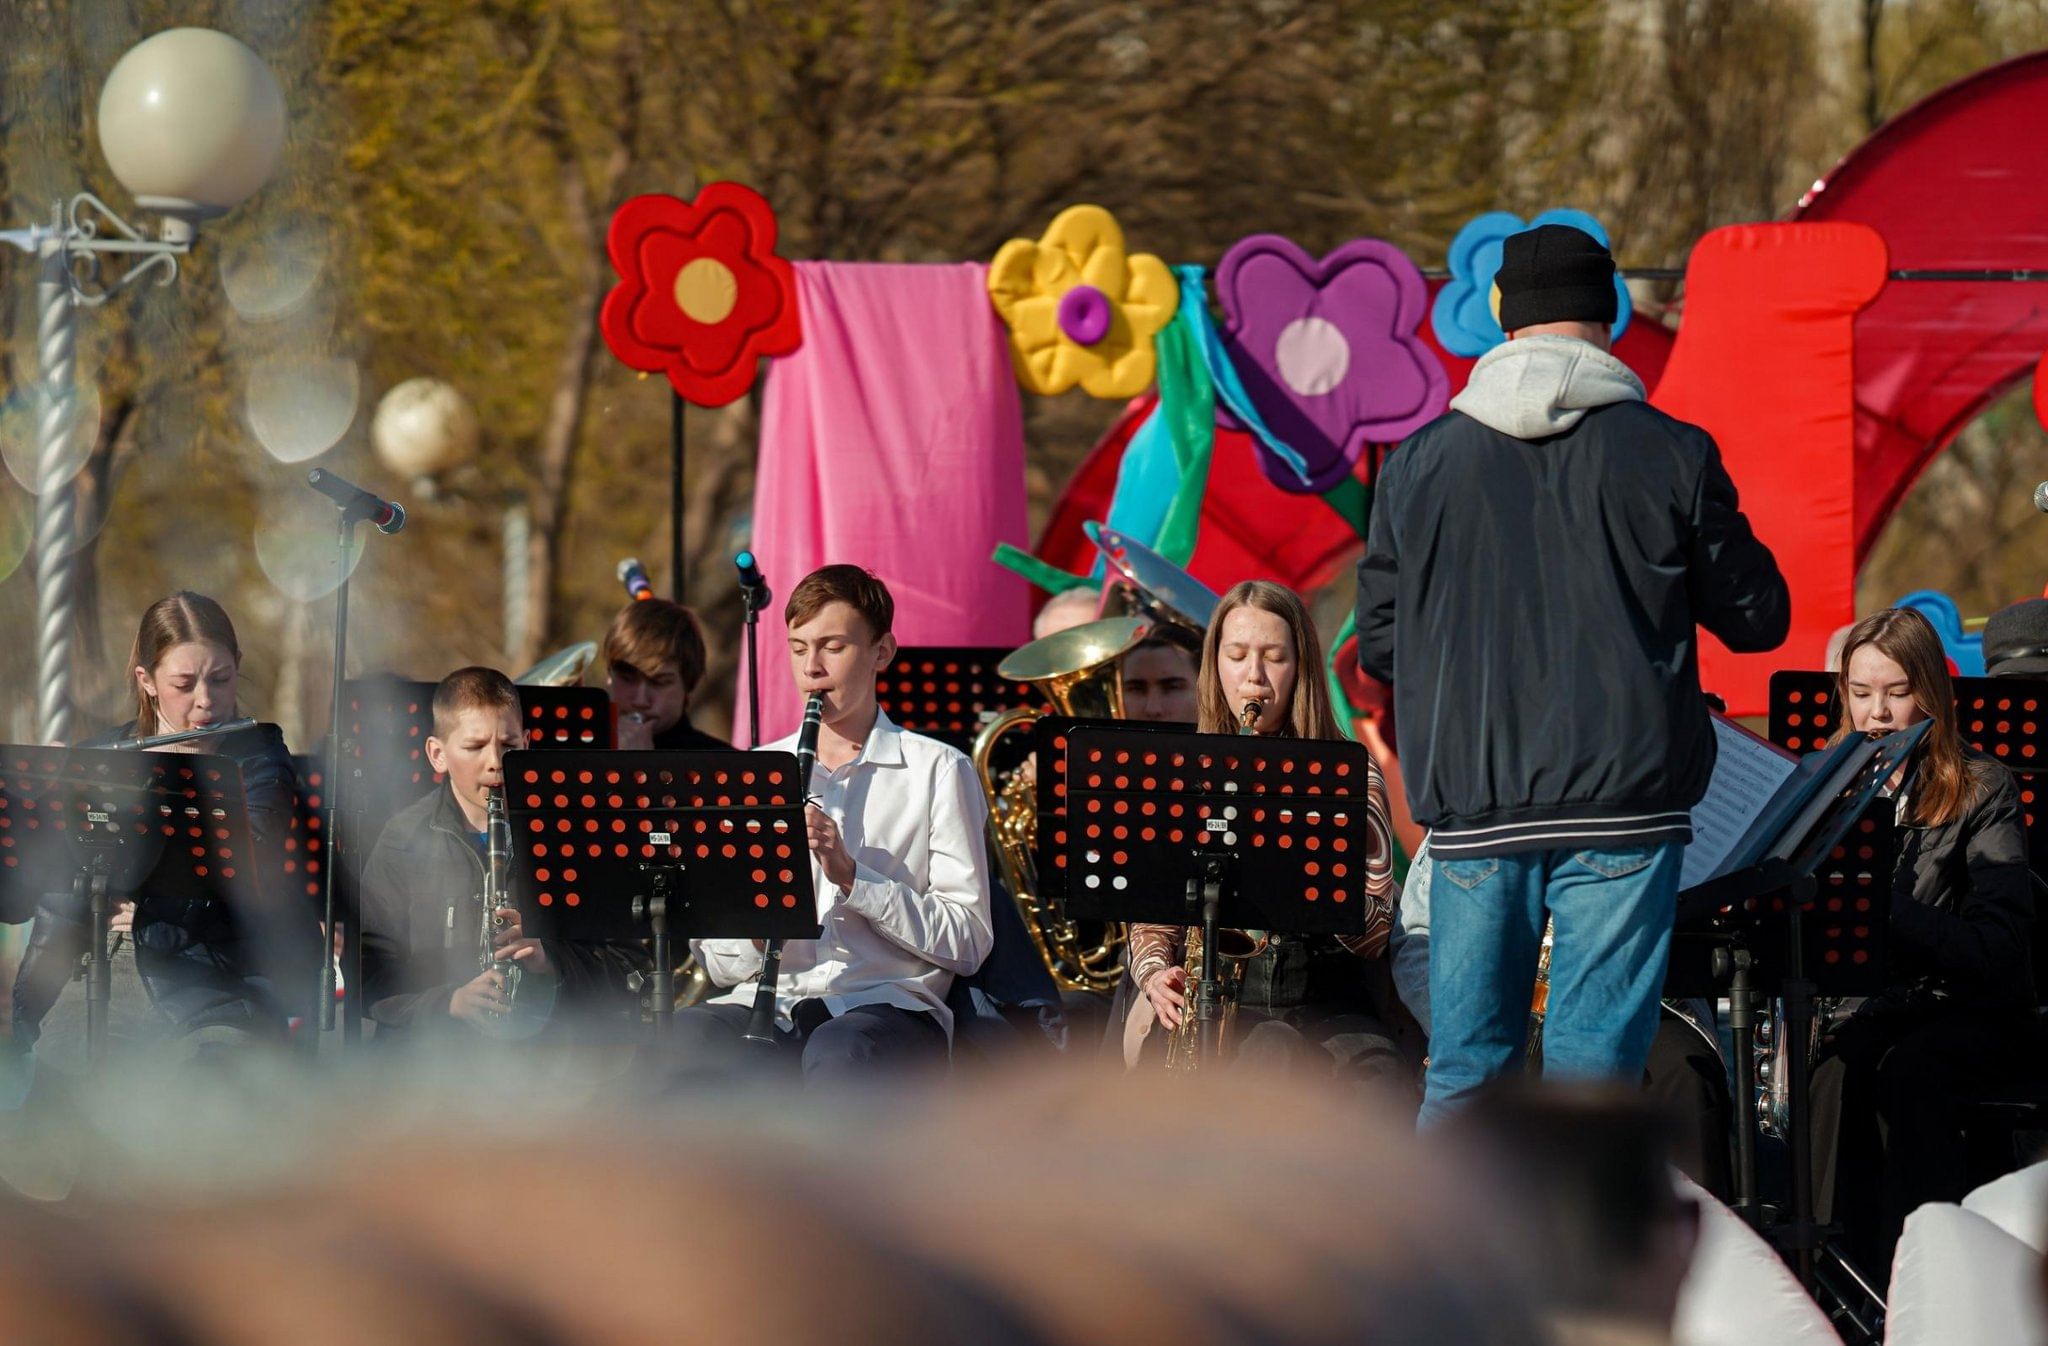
(452, 164)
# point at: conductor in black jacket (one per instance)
(1538, 559)
(423, 895)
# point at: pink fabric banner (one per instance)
(892, 439)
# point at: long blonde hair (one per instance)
(1942, 787)
(1309, 714)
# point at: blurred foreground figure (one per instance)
(186, 976)
(1583, 1176)
(1040, 1207)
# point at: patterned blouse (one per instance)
(1153, 947)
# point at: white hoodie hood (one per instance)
(1540, 386)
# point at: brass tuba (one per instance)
(1076, 671)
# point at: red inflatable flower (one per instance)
(701, 294)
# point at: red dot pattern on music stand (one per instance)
(1276, 803)
(1804, 710)
(949, 691)
(638, 802)
(168, 799)
(302, 845)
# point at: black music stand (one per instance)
(948, 692)
(112, 825)
(2006, 718)
(385, 727)
(614, 847)
(1828, 811)
(1218, 831)
(302, 858)
(1049, 748)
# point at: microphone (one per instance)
(387, 515)
(634, 576)
(2041, 497)
(761, 1022)
(754, 592)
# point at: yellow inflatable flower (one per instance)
(1080, 309)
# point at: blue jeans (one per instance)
(1612, 910)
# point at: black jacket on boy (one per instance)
(422, 897)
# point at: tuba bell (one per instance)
(1141, 583)
(564, 668)
(1076, 671)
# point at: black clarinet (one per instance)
(761, 1023)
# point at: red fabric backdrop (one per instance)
(1765, 361)
(1954, 182)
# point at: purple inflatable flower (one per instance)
(1327, 350)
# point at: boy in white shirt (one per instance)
(897, 858)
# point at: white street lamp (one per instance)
(191, 123)
(427, 432)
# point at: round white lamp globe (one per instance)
(192, 123)
(424, 427)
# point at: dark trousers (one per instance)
(1889, 1099)
(1687, 1080)
(849, 1049)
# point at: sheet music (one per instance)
(1747, 772)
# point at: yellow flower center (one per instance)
(706, 290)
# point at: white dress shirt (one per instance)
(912, 816)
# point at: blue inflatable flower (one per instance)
(1463, 315)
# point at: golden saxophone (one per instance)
(1234, 949)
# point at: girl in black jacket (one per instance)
(182, 967)
(1959, 1018)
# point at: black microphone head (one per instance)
(394, 518)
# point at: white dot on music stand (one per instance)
(1094, 880)
(1119, 883)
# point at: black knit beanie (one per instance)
(1554, 273)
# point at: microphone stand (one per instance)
(755, 597)
(338, 838)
